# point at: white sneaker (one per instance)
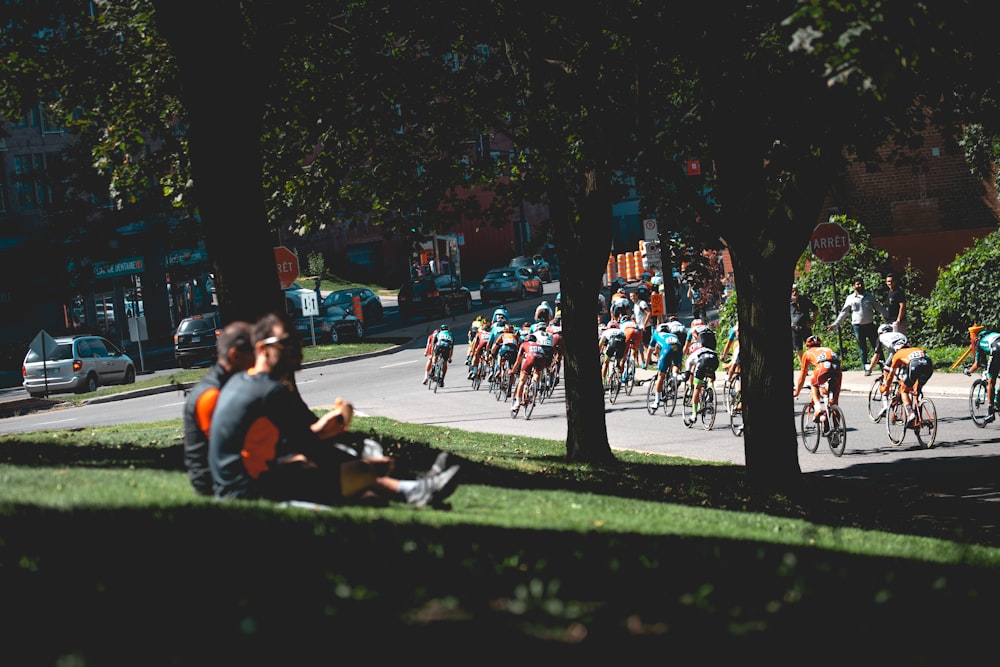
(656, 403)
(868, 370)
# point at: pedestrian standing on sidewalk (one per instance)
(897, 304)
(861, 307)
(803, 314)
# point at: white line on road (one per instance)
(403, 363)
(58, 421)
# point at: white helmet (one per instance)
(885, 328)
(675, 327)
(663, 327)
(899, 343)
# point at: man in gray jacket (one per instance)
(861, 307)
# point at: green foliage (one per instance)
(316, 264)
(967, 292)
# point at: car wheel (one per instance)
(184, 363)
(468, 304)
(89, 385)
(524, 294)
(36, 394)
(129, 376)
(446, 312)
(334, 336)
(359, 331)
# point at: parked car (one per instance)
(194, 340)
(433, 297)
(537, 263)
(335, 325)
(77, 363)
(371, 304)
(508, 283)
(293, 298)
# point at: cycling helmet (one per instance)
(885, 328)
(530, 337)
(444, 327)
(812, 341)
(558, 298)
(899, 343)
(508, 328)
(500, 312)
(663, 327)
(544, 304)
(612, 324)
(475, 326)
(697, 322)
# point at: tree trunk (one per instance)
(583, 240)
(223, 95)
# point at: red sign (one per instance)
(830, 242)
(288, 266)
(693, 167)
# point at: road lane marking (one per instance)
(57, 421)
(404, 363)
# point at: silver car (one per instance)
(76, 364)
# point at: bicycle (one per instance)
(528, 396)
(437, 373)
(924, 424)
(628, 377)
(613, 381)
(876, 399)
(979, 402)
(834, 426)
(478, 372)
(668, 395)
(734, 403)
(706, 411)
(503, 379)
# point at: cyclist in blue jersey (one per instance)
(988, 354)
(666, 346)
(439, 344)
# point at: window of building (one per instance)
(29, 176)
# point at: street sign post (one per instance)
(42, 345)
(288, 266)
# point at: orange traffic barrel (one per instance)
(356, 307)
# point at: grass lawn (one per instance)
(107, 557)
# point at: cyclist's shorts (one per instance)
(669, 357)
(442, 349)
(536, 362)
(615, 349)
(920, 369)
(993, 364)
(507, 352)
(705, 365)
(633, 339)
(832, 375)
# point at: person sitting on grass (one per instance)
(265, 442)
(234, 353)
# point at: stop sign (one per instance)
(830, 242)
(287, 264)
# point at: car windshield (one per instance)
(421, 287)
(336, 312)
(521, 261)
(338, 298)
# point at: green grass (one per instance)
(107, 557)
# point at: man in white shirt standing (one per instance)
(641, 315)
(861, 306)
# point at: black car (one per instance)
(335, 325)
(537, 264)
(509, 283)
(371, 304)
(433, 297)
(194, 340)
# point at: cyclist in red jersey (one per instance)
(826, 365)
(531, 358)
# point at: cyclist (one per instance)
(474, 329)
(827, 369)
(667, 346)
(887, 339)
(612, 344)
(530, 359)
(912, 367)
(480, 347)
(555, 329)
(732, 343)
(702, 361)
(500, 312)
(543, 313)
(558, 311)
(633, 341)
(621, 307)
(439, 344)
(504, 347)
(987, 345)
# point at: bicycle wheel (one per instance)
(614, 385)
(503, 383)
(736, 414)
(837, 436)
(669, 397)
(875, 401)
(629, 376)
(686, 404)
(530, 391)
(926, 423)
(808, 429)
(477, 377)
(895, 422)
(978, 403)
(437, 377)
(727, 393)
(707, 407)
(650, 396)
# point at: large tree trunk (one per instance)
(583, 240)
(222, 88)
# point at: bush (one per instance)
(316, 264)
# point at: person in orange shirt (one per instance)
(912, 367)
(827, 369)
